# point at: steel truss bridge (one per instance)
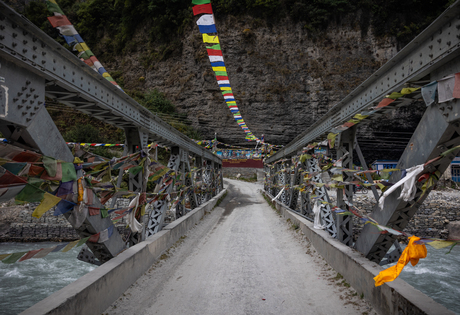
(32, 66)
(431, 56)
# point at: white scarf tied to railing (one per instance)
(408, 191)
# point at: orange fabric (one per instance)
(412, 253)
(80, 190)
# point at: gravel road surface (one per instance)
(242, 258)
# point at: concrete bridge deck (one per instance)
(243, 258)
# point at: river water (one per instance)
(26, 283)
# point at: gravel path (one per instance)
(241, 259)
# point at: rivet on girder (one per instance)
(431, 46)
(28, 82)
(43, 62)
(25, 33)
(43, 53)
(13, 25)
(28, 107)
(23, 101)
(28, 119)
(36, 107)
(19, 93)
(34, 47)
(15, 35)
(34, 39)
(31, 102)
(40, 102)
(446, 114)
(24, 113)
(32, 89)
(28, 95)
(24, 42)
(35, 96)
(2, 37)
(24, 88)
(15, 99)
(448, 43)
(34, 56)
(20, 106)
(441, 108)
(14, 45)
(431, 55)
(43, 45)
(449, 107)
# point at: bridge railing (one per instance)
(431, 56)
(35, 66)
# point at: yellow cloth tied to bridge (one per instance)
(413, 252)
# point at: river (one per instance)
(26, 283)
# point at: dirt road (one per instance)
(241, 259)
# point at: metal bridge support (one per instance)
(24, 120)
(345, 151)
(157, 214)
(186, 180)
(285, 181)
(326, 213)
(136, 140)
(305, 206)
(437, 131)
(295, 175)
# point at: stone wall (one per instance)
(20, 226)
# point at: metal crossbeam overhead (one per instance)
(434, 47)
(73, 83)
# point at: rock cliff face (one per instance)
(283, 79)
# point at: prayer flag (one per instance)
(201, 1)
(216, 47)
(47, 203)
(103, 236)
(59, 247)
(457, 85)
(218, 64)
(213, 52)
(59, 20)
(13, 258)
(223, 82)
(70, 246)
(53, 7)
(30, 254)
(219, 69)
(82, 241)
(210, 39)
(213, 58)
(409, 90)
(224, 85)
(30, 194)
(206, 29)
(94, 238)
(67, 30)
(225, 88)
(385, 102)
(202, 8)
(206, 19)
(78, 215)
(44, 252)
(221, 78)
(446, 89)
(63, 206)
(220, 73)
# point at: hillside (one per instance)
(289, 61)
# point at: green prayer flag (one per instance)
(53, 7)
(201, 1)
(216, 47)
(30, 194)
(104, 213)
(221, 73)
(68, 172)
(135, 170)
(395, 95)
(83, 241)
(13, 258)
(50, 165)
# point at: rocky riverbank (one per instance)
(440, 209)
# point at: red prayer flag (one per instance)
(59, 20)
(94, 211)
(202, 8)
(27, 156)
(9, 179)
(219, 78)
(30, 254)
(457, 86)
(349, 124)
(213, 52)
(94, 238)
(385, 102)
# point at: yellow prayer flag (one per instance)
(360, 117)
(106, 75)
(81, 47)
(226, 88)
(409, 90)
(219, 69)
(441, 244)
(210, 39)
(77, 161)
(70, 246)
(47, 203)
(3, 256)
(231, 103)
(53, 1)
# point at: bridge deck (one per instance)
(242, 259)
